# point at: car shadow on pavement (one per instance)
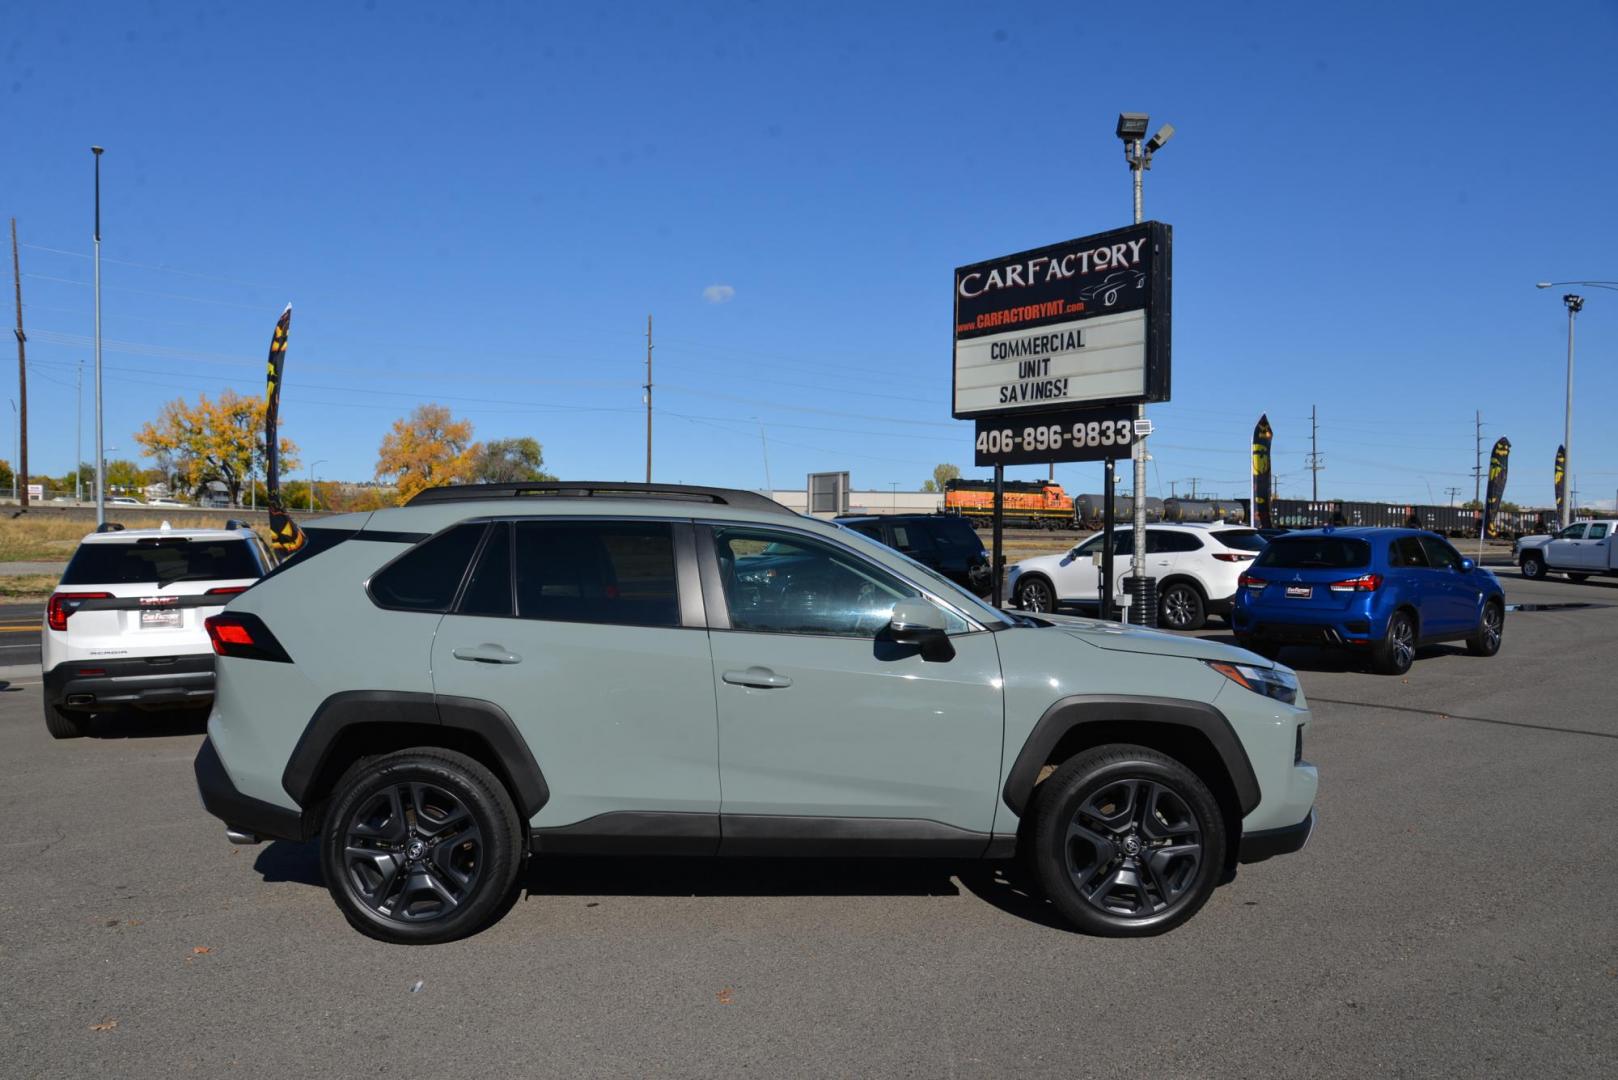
(1313, 658)
(148, 725)
(284, 860)
(580, 875)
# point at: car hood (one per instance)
(1121, 637)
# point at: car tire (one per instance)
(1128, 842)
(63, 724)
(1181, 607)
(1396, 651)
(398, 880)
(1533, 567)
(1035, 593)
(1485, 640)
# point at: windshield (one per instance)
(936, 583)
(1315, 553)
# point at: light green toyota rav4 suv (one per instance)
(439, 690)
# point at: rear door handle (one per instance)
(761, 678)
(487, 653)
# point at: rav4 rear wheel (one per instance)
(420, 846)
(1128, 842)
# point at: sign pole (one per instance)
(996, 560)
(1107, 521)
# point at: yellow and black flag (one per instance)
(1497, 484)
(1262, 477)
(1561, 482)
(284, 532)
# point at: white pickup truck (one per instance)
(1579, 550)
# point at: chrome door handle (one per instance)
(761, 678)
(487, 653)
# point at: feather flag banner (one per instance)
(284, 532)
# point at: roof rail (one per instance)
(612, 489)
(236, 523)
(109, 526)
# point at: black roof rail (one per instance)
(109, 526)
(611, 489)
(236, 523)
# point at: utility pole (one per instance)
(21, 472)
(1575, 304)
(1193, 482)
(764, 442)
(1172, 493)
(1452, 492)
(1314, 456)
(648, 399)
(1477, 463)
(101, 458)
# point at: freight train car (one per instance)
(1205, 510)
(1452, 521)
(1088, 509)
(1028, 504)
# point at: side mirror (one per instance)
(920, 622)
(1466, 566)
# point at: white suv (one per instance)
(124, 628)
(1196, 567)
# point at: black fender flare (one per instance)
(1071, 712)
(482, 719)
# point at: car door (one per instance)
(589, 636)
(1075, 576)
(1564, 550)
(1410, 577)
(822, 718)
(1592, 550)
(1450, 605)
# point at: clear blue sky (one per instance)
(478, 204)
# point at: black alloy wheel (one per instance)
(1180, 607)
(421, 846)
(1485, 640)
(1129, 842)
(1394, 654)
(1034, 593)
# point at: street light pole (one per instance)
(101, 463)
(312, 465)
(1574, 305)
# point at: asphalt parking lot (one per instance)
(1453, 916)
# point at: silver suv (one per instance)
(437, 691)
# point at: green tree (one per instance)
(509, 461)
(942, 475)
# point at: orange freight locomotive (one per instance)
(1029, 504)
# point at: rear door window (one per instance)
(617, 572)
(912, 537)
(1407, 551)
(488, 590)
(954, 534)
(427, 577)
(1597, 532)
(162, 560)
(1166, 542)
(1314, 553)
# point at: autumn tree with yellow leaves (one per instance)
(426, 449)
(219, 440)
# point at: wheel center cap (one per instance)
(415, 849)
(1132, 844)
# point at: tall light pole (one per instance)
(101, 461)
(312, 465)
(1132, 130)
(1575, 304)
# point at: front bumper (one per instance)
(140, 681)
(242, 812)
(1268, 843)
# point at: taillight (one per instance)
(1248, 581)
(244, 637)
(63, 604)
(227, 590)
(1232, 556)
(1365, 583)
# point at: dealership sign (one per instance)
(1082, 323)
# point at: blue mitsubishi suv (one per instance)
(1383, 592)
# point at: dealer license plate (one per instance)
(1300, 592)
(159, 618)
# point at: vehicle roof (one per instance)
(1362, 532)
(124, 536)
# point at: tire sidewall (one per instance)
(1059, 797)
(1477, 643)
(1199, 617)
(490, 807)
(1386, 658)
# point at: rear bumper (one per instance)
(148, 680)
(243, 812)
(1268, 843)
(1357, 626)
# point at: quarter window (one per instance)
(426, 577)
(617, 572)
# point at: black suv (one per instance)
(943, 542)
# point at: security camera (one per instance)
(1164, 134)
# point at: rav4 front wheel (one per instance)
(420, 846)
(1128, 842)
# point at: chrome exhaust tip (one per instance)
(237, 836)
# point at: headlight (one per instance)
(1275, 683)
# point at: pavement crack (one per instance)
(1470, 719)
